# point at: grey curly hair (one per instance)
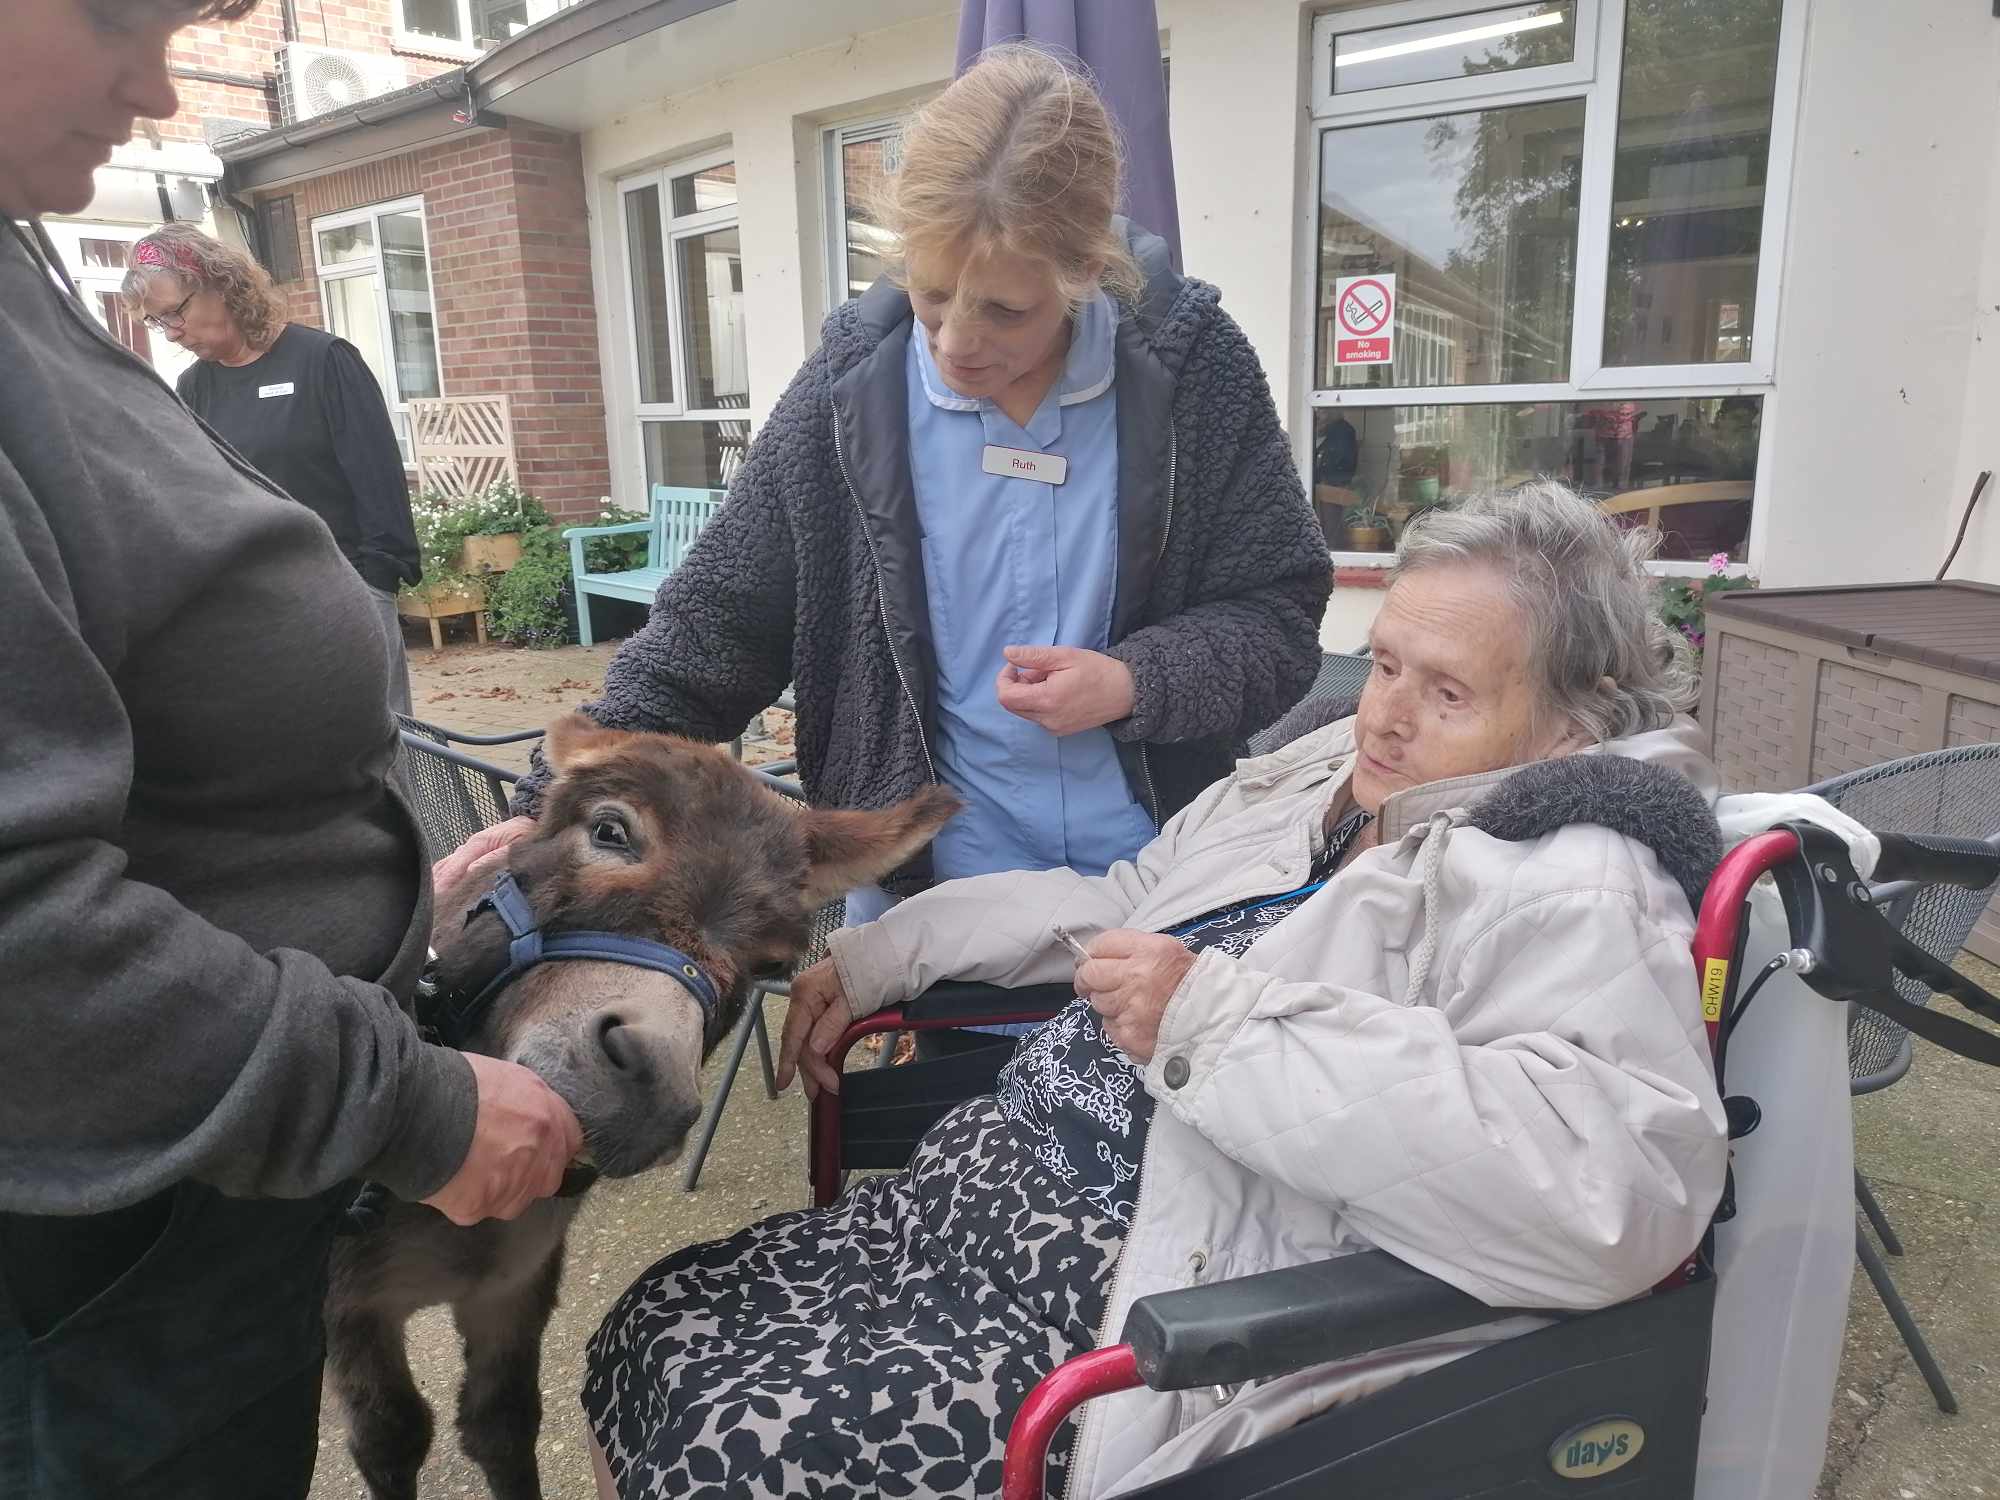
(1607, 662)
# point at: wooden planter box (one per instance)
(1799, 685)
(440, 603)
(490, 554)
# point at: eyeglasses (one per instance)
(170, 322)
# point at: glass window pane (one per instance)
(863, 165)
(349, 242)
(711, 268)
(646, 255)
(494, 21)
(1687, 212)
(118, 319)
(711, 187)
(1475, 214)
(1685, 464)
(105, 254)
(1485, 41)
(701, 455)
(412, 322)
(438, 18)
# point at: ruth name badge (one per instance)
(266, 392)
(1024, 463)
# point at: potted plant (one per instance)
(1367, 529)
(491, 524)
(1683, 602)
(1421, 470)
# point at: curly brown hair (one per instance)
(203, 264)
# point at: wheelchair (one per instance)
(1718, 1384)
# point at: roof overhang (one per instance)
(580, 68)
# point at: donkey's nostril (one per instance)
(618, 1044)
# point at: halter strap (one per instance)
(528, 946)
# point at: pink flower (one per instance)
(1718, 564)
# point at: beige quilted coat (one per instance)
(1486, 1058)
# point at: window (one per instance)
(684, 268)
(1565, 202)
(465, 27)
(858, 157)
(375, 284)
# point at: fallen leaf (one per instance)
(440, 697)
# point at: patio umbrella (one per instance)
(1119, 41)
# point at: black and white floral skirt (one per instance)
(879, 1347)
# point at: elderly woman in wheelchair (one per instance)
(1420, 980)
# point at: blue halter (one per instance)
(529, 946)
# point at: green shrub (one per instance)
(524, 604)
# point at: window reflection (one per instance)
(1685, 464)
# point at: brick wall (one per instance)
(250, 47)
(504, 211)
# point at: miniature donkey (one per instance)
(641, 836)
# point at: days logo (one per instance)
(1588, 1452)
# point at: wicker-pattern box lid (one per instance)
(1953, 626)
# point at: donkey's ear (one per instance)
(574, 742)
(849, 848)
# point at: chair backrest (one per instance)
(678, 516)
(1953, 792)
(454, 794)
(1340, 680)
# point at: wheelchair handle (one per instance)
(1932, 859)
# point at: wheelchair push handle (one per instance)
(1931, 859)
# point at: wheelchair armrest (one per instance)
(955, 1002)
(1257, 1327)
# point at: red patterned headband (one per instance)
(152, 253)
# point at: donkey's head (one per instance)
(654, 837)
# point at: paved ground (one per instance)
(1929, 1145)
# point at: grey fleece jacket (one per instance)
(210, 898)
(813, 574)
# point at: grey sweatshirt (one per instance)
(210, 898)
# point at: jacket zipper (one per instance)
(1103, 1326)
(1166, 530)
(882, 599)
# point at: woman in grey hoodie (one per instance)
(206, 936)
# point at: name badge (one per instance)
(265, 392)
(1024, 463)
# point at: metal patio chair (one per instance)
(1955, 793)
(454, 793)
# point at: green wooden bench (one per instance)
(678, 516)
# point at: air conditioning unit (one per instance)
(318, 80)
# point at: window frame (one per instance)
(371, 214)
(833, 202)
(675, 231)
(403, 39)
(1596, 79)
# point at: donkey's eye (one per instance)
(609, 833)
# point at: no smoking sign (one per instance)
(1364, 315)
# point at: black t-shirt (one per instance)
(309, 414)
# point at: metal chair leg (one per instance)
(1865, 1196)
(751, 1020)
(764, 1055)
(1899, 1314)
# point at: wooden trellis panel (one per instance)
(462, 444)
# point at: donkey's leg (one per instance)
(389, 1424)
(500, 1404)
